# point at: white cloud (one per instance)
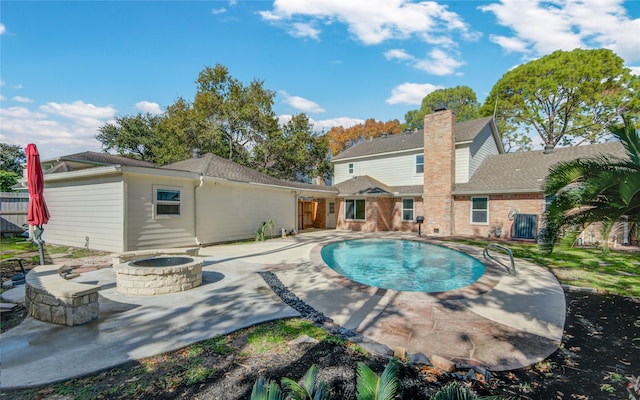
(300, 103)
(57, 128)
(372, 23)
(302, 30)
(21, 99)
(398, 54)
(326, 124)
(18, 86)
(411, 93)
(509, 44)
(20, 113)
(566, 25)
(217, 11)
(635, 70)
(2, 98)
(149, 107)
(3, 29)
(80, 112)
(438, 63)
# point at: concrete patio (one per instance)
(502, 322)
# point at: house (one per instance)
(113, 203)
(456, 175)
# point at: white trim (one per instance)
(415, 165)
(155, 189)
(413, 209)
(354, 209)
(471, 209)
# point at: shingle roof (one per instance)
(105, 159)
(89, 159)
(465, 131)
(217, 167)
(526, 172)
(366, 185)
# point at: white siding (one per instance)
(392, 170)
(462, 164)
(144, 230)
(483, 145)
(82, 209)
(233, 211)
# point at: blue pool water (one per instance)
(402, 265)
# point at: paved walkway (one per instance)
(503, 322)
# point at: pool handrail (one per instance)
(493, 246)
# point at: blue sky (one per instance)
(68, 68)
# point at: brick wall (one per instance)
(320, 219)
(382, 214)
(499, 207)
(439, 172)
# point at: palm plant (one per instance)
(372, 387)
(457, 391)
(266, 390)
(597, 189)
(310, 388)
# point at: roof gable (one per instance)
(464, 132)
(366, 185)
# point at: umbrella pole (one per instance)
(37, 236)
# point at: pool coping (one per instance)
(492, 274)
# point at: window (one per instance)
(167, 201)
(407, 209)
(354, 209)
(351, 168)
(479, 210)
(420, 164)
(332, 208)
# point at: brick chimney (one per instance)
(439, 169)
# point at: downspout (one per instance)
(195, 210)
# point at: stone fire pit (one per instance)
(159, 275)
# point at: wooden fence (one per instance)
(13, 212)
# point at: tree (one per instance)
(341, 138)
(293, 152)
(461, 99)
(182, 130)
(8, 180)
(567, 97)
(598, 189)
(240, 115)
(11, 158)
(132, 136)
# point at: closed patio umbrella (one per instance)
(38, 213)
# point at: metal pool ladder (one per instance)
(493, 246)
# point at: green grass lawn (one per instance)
(18, 247)
(615, 271)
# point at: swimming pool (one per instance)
(403, 265)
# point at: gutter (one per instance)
(195, 210)
(495, 191)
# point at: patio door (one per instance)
(331, 215)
